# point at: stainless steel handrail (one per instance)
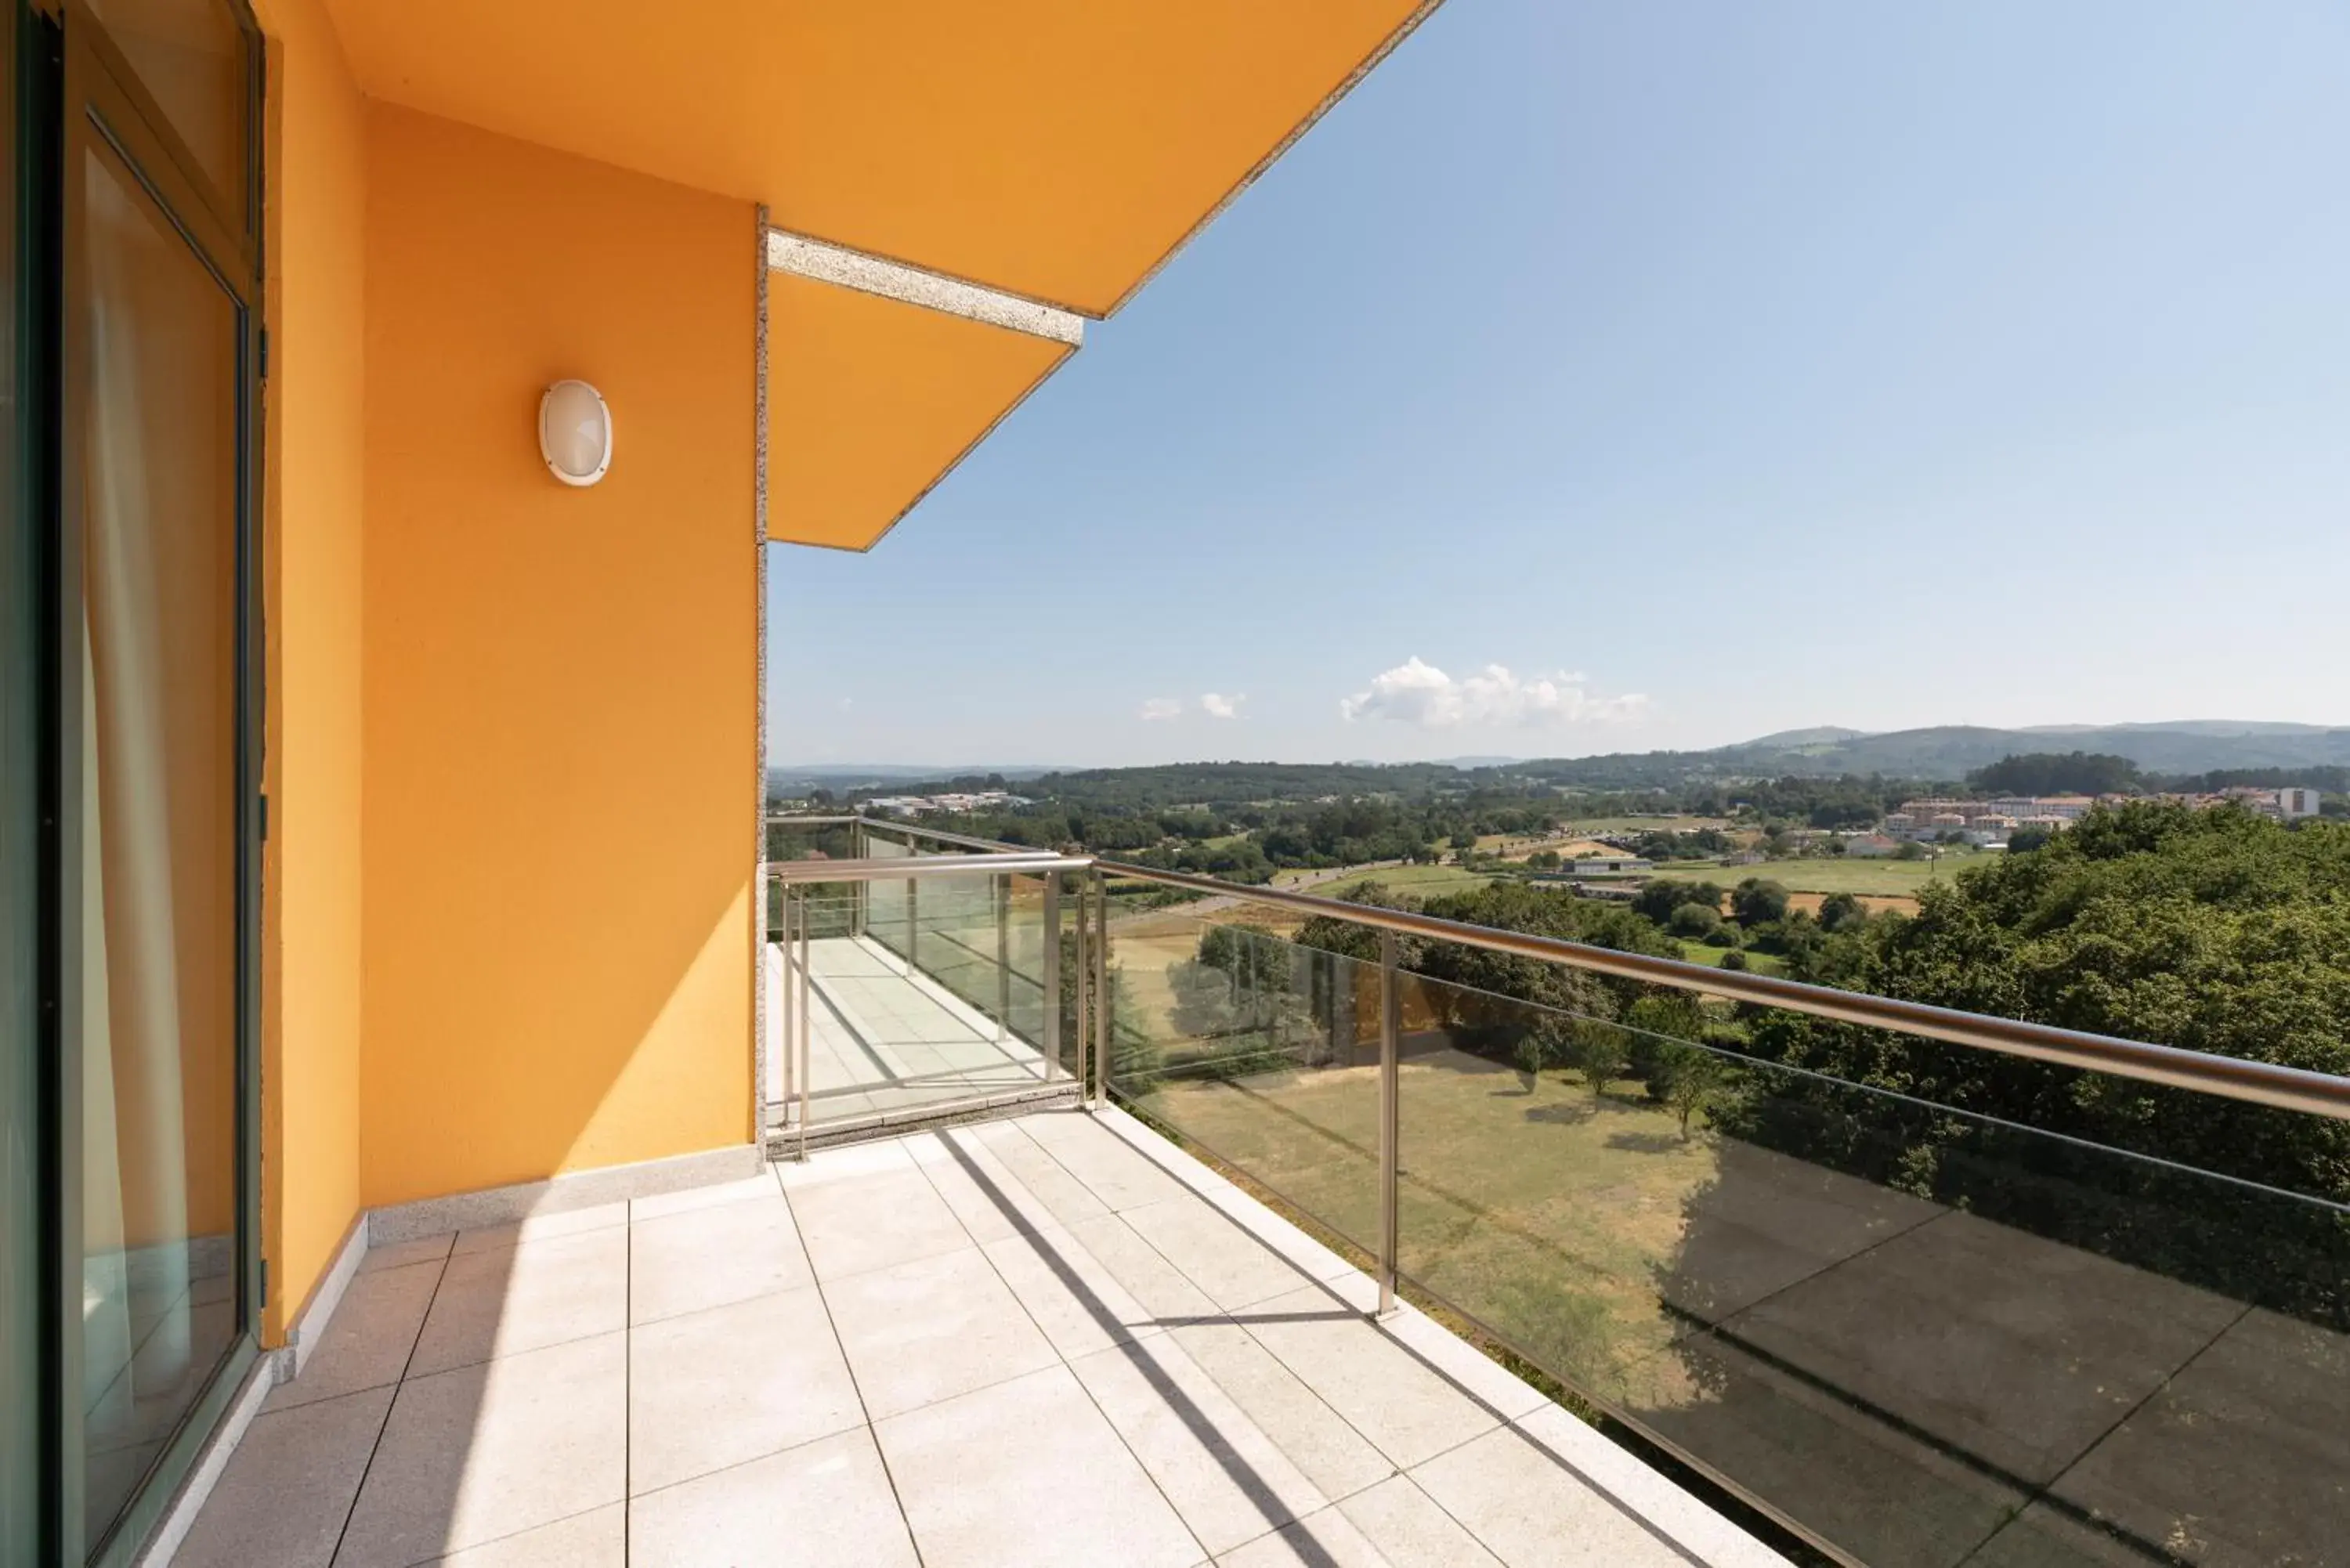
(940, 834)
(2229, 1077)
(794, 872)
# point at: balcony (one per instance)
(1908, 1333)
(1054, 1339)
(1198, 1291)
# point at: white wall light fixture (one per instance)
(575, 432)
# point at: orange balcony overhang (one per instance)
(1054, 151)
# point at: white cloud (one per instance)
(1418, 693)
(1217, 706)
(1160, 708)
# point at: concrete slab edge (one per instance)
(825, 263)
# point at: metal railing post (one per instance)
(1391, 1040)
(1050, 1043)
(858, 849)
(1097, 1094)
(785, 1023)
(1083, 1011)
(1003, 890)
(807, 1018)
(913, 922)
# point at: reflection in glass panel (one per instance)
(191, 55)
(920, 993)
(1264, 1052)
(157, 735)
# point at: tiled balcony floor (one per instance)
(1048, 1340)
(888, 1041)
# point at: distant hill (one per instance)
(1952, 751)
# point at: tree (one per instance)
(1690, 1078)
(1696, 920)
(2057, 773)
(1911, 850)
(1733, 960)
(1603, 1052)
(1543, 860)
(2211, 930)
(1756, 901)
(2023, 840)
(1838, 911)
(1659, 896)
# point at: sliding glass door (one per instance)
(153, 646)
(24, 1199)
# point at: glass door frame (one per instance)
(106, 112)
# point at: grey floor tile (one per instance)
(1467, 1367)
(1335, 1456)
(1409, 1531)
(1164, 1290)
(1325, 1539)
(1531, 1513)
(828, 1501)
(1074, 1299)
(597, 1539)
(367, 1340)
(1109, 1166)
(662, 1205)
(1384, 1391)
(711, 1257)
(1223, 1260)
(486, 1451)
(405, 1254)
(889, 1217)
(992, 1202)
(736, 1383)
(2244, 1458)
(1028, 1473)
(931, 1329)
(514, 1298)
(281, 1500)
(541, 1228)
(2017, 1351)
(833, 1167)
(1069, 1199)
(1228, 1480)
(1647, 1493)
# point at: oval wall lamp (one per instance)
(575, 432)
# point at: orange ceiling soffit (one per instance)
(872, 399)
(1055, 150)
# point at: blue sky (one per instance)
(1609, 377)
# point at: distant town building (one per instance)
(1596, 866)
(2296, 801)
(1872, 845)
(920, 805)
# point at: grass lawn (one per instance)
(1420, 881)
(1642, 824)
(1696, 951)
(1834, 874)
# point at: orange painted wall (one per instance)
(559, 712)
(313, 440)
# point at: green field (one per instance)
(1420, 881)
(1641, 824)
(1695, 951)
(1834, 874)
